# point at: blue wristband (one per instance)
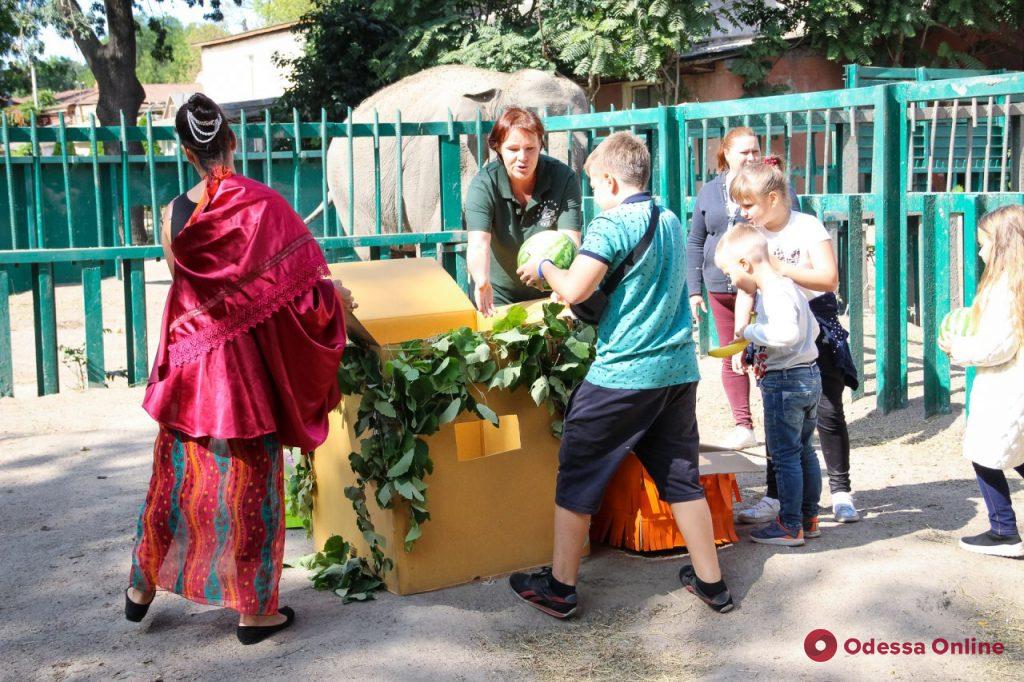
(540, 265)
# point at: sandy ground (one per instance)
(74, 468)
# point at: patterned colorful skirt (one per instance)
(212, 527)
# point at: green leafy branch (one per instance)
(410, 390)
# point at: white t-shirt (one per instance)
(792, 244)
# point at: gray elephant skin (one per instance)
(428, 96)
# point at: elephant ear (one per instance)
(484, 96)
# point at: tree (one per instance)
(54, 74)
(113, 61)
(166, 53)
(280, 11)
(342, 38)
(882, 32)
(590, 39)
(8, 34)
(19, 40)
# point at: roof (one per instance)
(276, 28)
(156, 93)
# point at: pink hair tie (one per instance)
(772, 161)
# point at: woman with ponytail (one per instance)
(251, 340)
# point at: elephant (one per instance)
(428, 96)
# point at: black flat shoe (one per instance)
(133, 611)
(251, 634)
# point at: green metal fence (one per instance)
(65, 213)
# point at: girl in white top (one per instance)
(801, 250)
(994, 438)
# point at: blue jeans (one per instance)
(790, 417)
(996, 492)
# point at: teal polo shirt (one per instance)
(491, 207)
(644, 339)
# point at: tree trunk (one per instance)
(120, 90)
(113, 65)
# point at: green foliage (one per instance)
(880, 32)
(500, 49)
(281, 11)
(634, 40)
(345, 41)
(55, 74)
(165, 51)
(411, 390)
(74, 358)
(339, 570)
(21, 114)
(299, 492)
(355, 47)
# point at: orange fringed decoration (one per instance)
(633, 517)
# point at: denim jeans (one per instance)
(995, 490)
(790, 417)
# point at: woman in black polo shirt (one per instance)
(517, 195)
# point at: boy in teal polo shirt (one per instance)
(640, 394)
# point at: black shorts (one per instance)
(603, 425)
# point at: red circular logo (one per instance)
(820, 645)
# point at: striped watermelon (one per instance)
(550, 244)
(959, 322)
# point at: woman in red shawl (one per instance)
(250, 345)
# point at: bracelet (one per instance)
(540, 265)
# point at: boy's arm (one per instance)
(574, 285)
(601, 248)
(782, 328)
(741, 311)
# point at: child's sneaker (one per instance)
(811, 528)
(721, 602)
(537, 590)
(777, 534)
(994, 544)
(843, 508)
(766, 509)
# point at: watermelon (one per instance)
(550, 244)
(958, 322)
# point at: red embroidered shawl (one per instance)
(252, 333)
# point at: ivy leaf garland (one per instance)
(410, 390)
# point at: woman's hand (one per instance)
(483, 294)
(696, 305)
(344, 295)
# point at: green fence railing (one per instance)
(67, 203)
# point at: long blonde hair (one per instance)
(1005, 228)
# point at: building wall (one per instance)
(244, 69)
(798, 71)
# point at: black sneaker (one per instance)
(994, 544)
(536, 590)
(722, 602)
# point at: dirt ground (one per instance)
(74, 468)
